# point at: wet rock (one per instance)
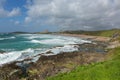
(2, 52)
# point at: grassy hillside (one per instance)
(108, 70)
(106, 33)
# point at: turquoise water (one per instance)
(14, 42)
(22, 46)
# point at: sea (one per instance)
(18, 47)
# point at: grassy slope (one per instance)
(106, 33)
(108, 70)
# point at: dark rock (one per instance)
(51, 65)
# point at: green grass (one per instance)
(105, 33)
(108, 70)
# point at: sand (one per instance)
(94, 38)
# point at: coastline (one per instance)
(64, 62)
(88, 37)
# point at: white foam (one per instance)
(29, 53)
(60, 41)
(56, 41)
(68, 43)
(1, 38)
(28, 50)
(35, 41)
(9, 57)
(8, 38)
(66, 48)
(8, 50)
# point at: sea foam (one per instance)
(9, 57)
(7, 38)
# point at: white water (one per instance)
(9, 57)
(61, 40)
(7, 38)
(66, 48)
(68, 44)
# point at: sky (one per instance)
(56, 15)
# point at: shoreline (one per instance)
(51, 65)
(65, 62)
(88, 37)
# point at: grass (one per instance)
(108, 70)
(105, 33)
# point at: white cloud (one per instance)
(75, 14)
(14, 12)
(27, 19)
(6, 13)
(2, 12)
(17, 22)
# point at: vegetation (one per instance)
(106, 33)
(108, 70)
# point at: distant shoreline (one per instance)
(48, 66)
(64, 62)
(88, 37)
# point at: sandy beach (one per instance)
(93, 38)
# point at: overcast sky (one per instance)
(55, 15)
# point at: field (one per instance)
(108, 70)
(105, 33)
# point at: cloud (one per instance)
(6, 13)
(27, 19)
(75, 14)
(17, 22)
(2, 2)
(14, 12)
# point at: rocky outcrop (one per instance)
(51, 65)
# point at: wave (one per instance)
(60, 41)
(53, 41)
(9, 57)
(69, 44)
(30, 53)
(8, 38)
(33, 54)
(66, 48)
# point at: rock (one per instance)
(13, 72)
(2, 52)
(89, 47)
(51, 65)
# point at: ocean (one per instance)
(18, 47)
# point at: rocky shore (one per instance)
(51, 65)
